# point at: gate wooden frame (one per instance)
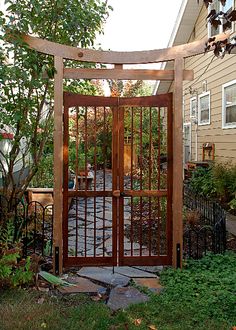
(77, 100)
(118, 192)
(176, 54)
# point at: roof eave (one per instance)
(184, 25)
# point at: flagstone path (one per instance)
(113, 285)
(93, 219)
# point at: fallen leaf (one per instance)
(97, 297)
(40, 301)
(43, 289)
(152, 327)
(137, 322)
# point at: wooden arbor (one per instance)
(176, 54)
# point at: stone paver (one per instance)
(103, 275)
(102, 217)
(132, 272)
(151, 269)
(101, 220)
(152, 284)
(98, 252)
(82, 285)
(121, 297)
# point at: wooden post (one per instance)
(178, 163)
(58, 165)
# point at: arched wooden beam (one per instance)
(112, 57)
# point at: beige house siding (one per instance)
(214, 73)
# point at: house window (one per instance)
(187, 142)
(211, 29)
(204, 109)
(218, 7)
(229, 105)
(193, 107)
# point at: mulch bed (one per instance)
(231, 242)
(146, 229)
(148, 232)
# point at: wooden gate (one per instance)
(111, 217)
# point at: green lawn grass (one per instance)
(201, 296)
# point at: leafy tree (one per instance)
(26, 93)
(218, 18)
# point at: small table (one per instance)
(84, 180)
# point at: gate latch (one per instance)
(116, 193)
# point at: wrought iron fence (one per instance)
(30, 224)
(209, 232)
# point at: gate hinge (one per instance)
(57, 255)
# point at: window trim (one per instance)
(199, 109)
(191, 114)
(224, 124)
(209, 24)
(190, 140)
(221, 26)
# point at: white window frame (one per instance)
(220, 26)
(190, 140)
(183, 108)
(191, 107)
(199, 109)
(224, 124)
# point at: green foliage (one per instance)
(6, 262)
(12, 272)
(206, 286)
(44, 175)
(225, 180)
(200, 297)
(75, 23)
(47, 251)
(73, 155)
(202, 182)
(88, 141)
(218, 181)
(7, 231)
(26, 96)
(22, 274)
(232, 204)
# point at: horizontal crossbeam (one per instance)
(125, 74)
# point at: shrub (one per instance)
(224, 176)
(217, 181)
(44, 175)
(202, 182)
(12, 271)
